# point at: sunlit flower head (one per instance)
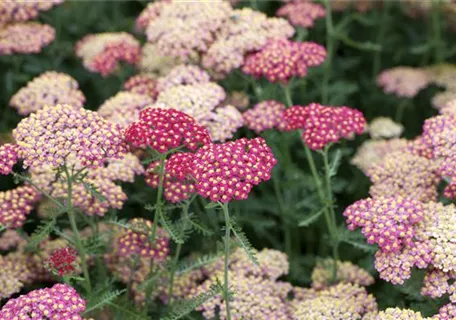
(264, 115)
(383, 127)
(404, 82)
(25, 37)
(48, 89)
(302, 13)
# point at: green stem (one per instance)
(74, 227)
(227, 256)
(283, 216)
(287, 92)
(380, 37)
(185, 207)
(329, 50)
(400, 110)
(439, 55)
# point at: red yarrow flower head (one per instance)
(322, 125)
(62, 261)
(280, 60)
(8, 158)
(166, 129)
(229, 170)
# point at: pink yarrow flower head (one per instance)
(387, 222)
(8, 158)
(142, 83)
(166, 129)
(301, 13)
(178, 184)
(102, 52)
(280, 60)
(48, 89)
(50, 135)
(447, 312)
(137, 241)
(59, 302)
(62, 261)
(25, 37)
(229, 170)
(182, 75)
(264, 116)
(404, 82)
(20, 11)
(322, 125)
(16, 204)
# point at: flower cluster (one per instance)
(404, 82)
(383, 127)
(48, 89)
(302, 13)
(441, 100)
(177, 184)
(16, 205)
(346, 273)
(436, 283)
(8, 158)
(265, 115)
(166, 129)
(322, 125)
(396, 313)
(10, 239)
(229, 170)
(102, 52)
(124, 169)
(12, 277)
(223, 123)
(182, 75)
(25, 37)
(137, 241)
(48, 136)
(124, 108)
(59, 302)
(143, 83)
(154, 63)
(20, 11)
(280, 60)
(62, 261)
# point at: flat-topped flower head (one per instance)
(102, 52)
(13, 276)
(16, 204)
(124, 108)
(50, 135)
(48, 89)
(151, 12)
(442, 99)
(447, 312)
(166, 129)
(178, 184)
(302, 13)
(223, 123)
(124, 169)
(10, 239)
(137, 241)
(62, 261)
(383, 127)
(154, 63)
(59, 302)
(399, 314)
(8, 158)
(280, 60)
(322, 125)
(182, 75)
(404, 82)
(387, 222)
(143, 83)
(346, 273)
(438, 283)
(229, 170)
(25, 37)
(264, 116)
(20, 11)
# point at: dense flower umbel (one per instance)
(143, 83)
(383, 127)
(323, 124)
(265, 115)
(447, 312)
(16, 205)
(404, 82)
(20, 11)
(136, 241)
(223, 123)
(151, 12)
(442, 99)
(280, 60)
(12, 277)
(184, 29)
(26, 37)
(8, 158)
(404, 174)
(48, 89)
(346, 273)
(436, 283)
(10, 239)
(124, 169)
(51, 134)
(102, 52)
(182, 75)
(302, 13)
(387, 222)
(229, 170)
(62, 261)
(399, 314)
(123, 109)
(154, 63)
(59, 302)
(163, 130)
(178, 184)
(246, 31)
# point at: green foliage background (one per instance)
(364, 45)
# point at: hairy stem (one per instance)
(227, 256)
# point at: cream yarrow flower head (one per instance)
(25, 37)
(383, 127)
(16, 204)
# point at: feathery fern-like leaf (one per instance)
(40, 233)
(313, 217)
(103, 300)
(202, 261)
(171, 227)
(243, 241)
(93, 191)
(196, 225)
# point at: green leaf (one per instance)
(312, 218)
(126, 312)
(41, 232)
(103, 300)
(212, 205)
(196, 225)
(335, 163)
(93, 191)
(2, 228)
(361, 245)
(202, 261)
(172, 228)
(243, 241)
